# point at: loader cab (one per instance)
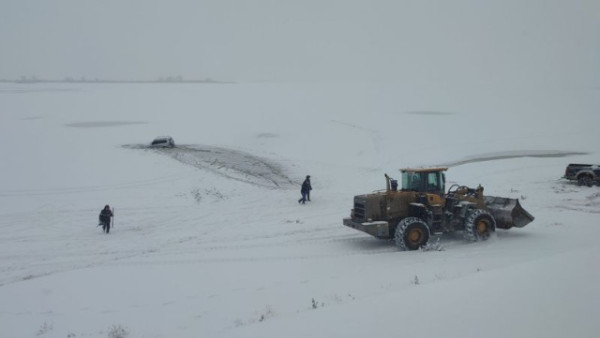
(430, 180)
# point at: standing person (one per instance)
(307, 180)
(105, 215)
(305, 190)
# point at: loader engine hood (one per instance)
(369, 206)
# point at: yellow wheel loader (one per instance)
(420, 207)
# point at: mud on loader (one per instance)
(421, 207)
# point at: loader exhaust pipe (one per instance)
(390, 183)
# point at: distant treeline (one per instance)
(168, 79)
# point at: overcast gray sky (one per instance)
(555, 42)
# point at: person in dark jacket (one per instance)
(305, 190)
(105, 215)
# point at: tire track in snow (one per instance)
(230, 163)
(511, 154)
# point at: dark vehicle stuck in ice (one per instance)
(584, 174)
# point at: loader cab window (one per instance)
(424, 181)
(412, 181)
(443, 175)
(435, 182)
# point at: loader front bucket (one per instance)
(507, 212)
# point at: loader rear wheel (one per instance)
(412, 233)
(479, 225)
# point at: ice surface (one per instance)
(210, 241)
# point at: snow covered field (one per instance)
(209, 240)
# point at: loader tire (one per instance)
(479, 225)
(411, 233)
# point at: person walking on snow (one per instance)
(105, 215)
(305, 190)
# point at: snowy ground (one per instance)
(209, 240)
